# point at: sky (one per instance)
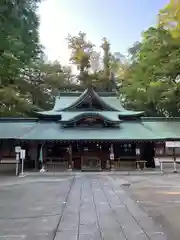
(120, 21)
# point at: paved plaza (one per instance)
(84, 207)
(159, 195)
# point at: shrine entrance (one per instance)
(90, 156)
(90, 163)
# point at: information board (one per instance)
(173, 144)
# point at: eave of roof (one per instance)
(168, 128)
(74, 116)
(108, 114)
(127, 131)
(15, 128)
(158, 128)
(147, 129)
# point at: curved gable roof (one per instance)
(109, 103)
(75, 116)
(70, 101)
(114, 102)
(63, 102)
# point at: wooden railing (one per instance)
(124, 164)
(56, 163)
(95, 163)
(8, 160)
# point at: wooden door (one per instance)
(77, 163)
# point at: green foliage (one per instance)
(149, 77)
(152, 80)
(106, 57)
(81, 51)
(169, 17)
(19, 37)
(19, 45)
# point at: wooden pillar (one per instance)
(70, 157)
(35, 156)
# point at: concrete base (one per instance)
(69, 170)
(22, 175)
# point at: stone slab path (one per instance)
(74, 208)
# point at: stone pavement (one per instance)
(71, 208)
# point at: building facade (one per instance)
(87, 131)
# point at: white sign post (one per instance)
(22, 157)
(138, 152)
(175, 169)
(17, 151)
(175, 144)
(161, 165)
(174, 156)
(17, 164)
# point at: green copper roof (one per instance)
(111, 115)
(167, 128)
(54, 131)
(114, 102)
(14, 128)
(148, 129)
(107, 115)
(72, 100)
(63, 102)
(67, 116)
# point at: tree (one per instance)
(134, 51)
(169, 17)
(81, 52)
(152, 83)
(19, 37)
(95, 62)
(42, 81)
(19, 45)
(118, 65)
(106, 57)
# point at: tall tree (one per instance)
(169, 17)
(106, 57)
(95, 62)
(19, 45)
(81, 52)
(19, 37)
(152, 81)
(42, 82)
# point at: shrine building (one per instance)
(85, 131)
